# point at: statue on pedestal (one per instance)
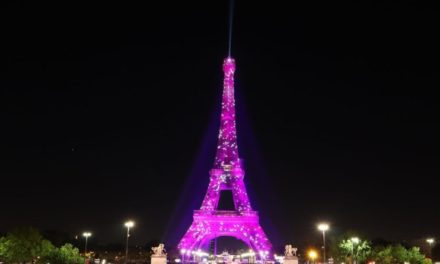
(290, 251)
(159, 251)
(290, 255)
(159, 255)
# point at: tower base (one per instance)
(241, 225)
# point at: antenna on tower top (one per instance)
(231, 19)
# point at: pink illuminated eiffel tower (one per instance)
(227, 174)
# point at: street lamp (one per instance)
(128, 225)
(323, 227)
(86, 235)
(313, 255)
(430, 241)
(354, 240)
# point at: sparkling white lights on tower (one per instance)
(227, 174)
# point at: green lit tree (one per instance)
(66, 254)
(353, 250)
(24, 245)
(398, 254)
(415, 256)
(3, 246)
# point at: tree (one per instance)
(398, 254)
(66, 254)
(355, 249)
(24, 245)
(415, 256)
(3, 246)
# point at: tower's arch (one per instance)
(220, 247)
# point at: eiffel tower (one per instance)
(226, 174)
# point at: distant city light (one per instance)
(248, 254)
(280, 259)
(200, 253)
(430, 240)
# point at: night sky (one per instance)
(109, 111)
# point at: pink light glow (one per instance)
(227, 174)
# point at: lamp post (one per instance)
(323, 227)
(128, 225)
(430, 241)
(86, 235)
(354, 240)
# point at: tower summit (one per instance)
(227, 174)
(227, 150)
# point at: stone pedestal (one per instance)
(291, 260)
(159, 259)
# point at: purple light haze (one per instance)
(227, 174)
